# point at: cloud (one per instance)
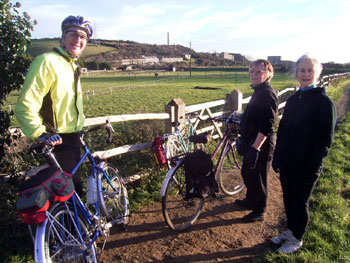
(248, 27)
(195, 12)
(142, 10)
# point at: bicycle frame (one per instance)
(76, 202)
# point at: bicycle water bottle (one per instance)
(91, 190)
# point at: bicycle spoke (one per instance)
(63, 240)
(113, 196)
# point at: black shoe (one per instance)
(244, 203)
(253, 217)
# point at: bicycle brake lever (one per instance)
(40, 148)
(110, 131)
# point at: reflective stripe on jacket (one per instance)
(52, 74)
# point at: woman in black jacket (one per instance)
(304, 137)
(257, 132)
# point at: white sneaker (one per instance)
(286, 235)
(291, 246)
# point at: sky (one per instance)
(254, 28)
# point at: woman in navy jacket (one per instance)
(304, 137)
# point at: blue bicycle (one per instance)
(71, 228)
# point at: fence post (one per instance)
(233, 101)
(176, 109)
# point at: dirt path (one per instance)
(343, 104)
(219, 235)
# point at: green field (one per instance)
(143, 93)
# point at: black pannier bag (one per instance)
(48, 185)
(200, 181)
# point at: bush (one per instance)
(14, 38)
(92, 65)
(105, 66)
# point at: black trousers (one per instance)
(68, 155)
(255, 180)
(297, 189)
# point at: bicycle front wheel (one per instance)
(59, 239)
(113, 195)
(179, 212)
(229, 172)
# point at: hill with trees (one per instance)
(112, 52)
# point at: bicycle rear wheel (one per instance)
(113, 196)
(179, 213)
(229, 172)
(58, 238)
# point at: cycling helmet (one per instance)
(77, 21)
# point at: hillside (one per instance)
(40, 46)
(112, 51)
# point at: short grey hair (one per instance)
(317, 65)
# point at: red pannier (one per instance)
(35, 195)
(158, 151)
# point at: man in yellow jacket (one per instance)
(50, 105)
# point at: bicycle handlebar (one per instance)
(41, 148)
(108, 126)
(46, 147)
(228, 119)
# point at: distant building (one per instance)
(187, 56)
(275, 60)
(171, 60)
(238, 57)
(226, 55)
(145, 60)
(132, 61)
(151, 59)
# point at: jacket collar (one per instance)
(312, 91)
(64, 54)
(261, 85)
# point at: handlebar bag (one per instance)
(49, 184)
